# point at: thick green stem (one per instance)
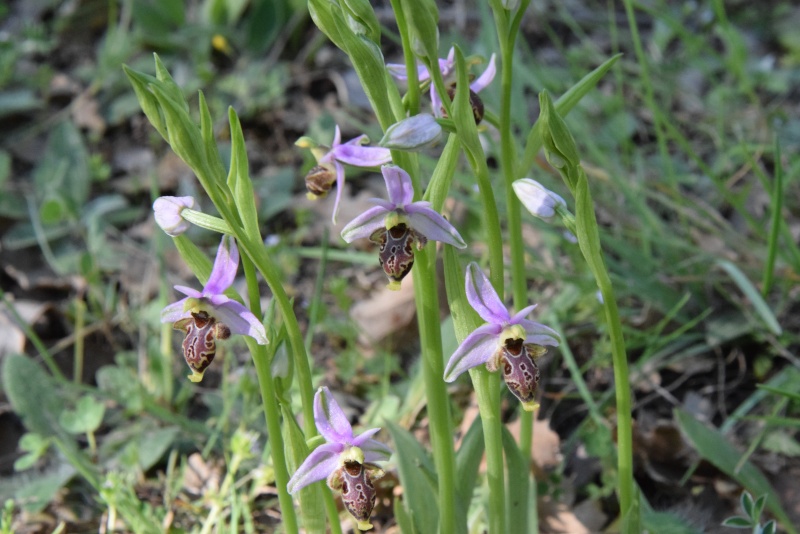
(487, 388)
(441, 428)
(589, 243)
(623, 392)
(508, 163)
(270, 404)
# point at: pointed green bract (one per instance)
(239, 178)
(182, 134)
(423, 20)
(147, 100)
(364, 15)
(559, 145)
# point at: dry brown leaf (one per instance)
(546, 449)
(12, 337)
(557, 518)
(86, 114)
(386, 313)
(200, 476)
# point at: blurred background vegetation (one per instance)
(691, 143)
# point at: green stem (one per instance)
(517, 247)
(412, 94)
(775, 221)
(80, 322)
(270, 404)
(441, 427)
(589, 243)
(487, 388)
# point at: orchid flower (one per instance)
(344, 460)
(399, 224)
(209, 315)
(447, 67)
(537, 199)
(167, 212)
(507, 342)
(320, 178)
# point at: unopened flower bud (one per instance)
(412, 133)
(319, 181)
(167, 211)
(537, 199)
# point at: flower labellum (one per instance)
(537, 199)
(400, 225)
(508, 343)
(344, 460)
(199, 346)
(330, 168)
(167, 212)
(209, 315)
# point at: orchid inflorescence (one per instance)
(345, 461)
(401, 227)
(507, 342)
(209, 315)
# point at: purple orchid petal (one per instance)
(188, 291)
(330, 419)
(397, 71)
(542, 340)
(365, 224)
(486, 78)
(483, 298)
(362, 156)
(477, 348)
(339, 188)
(385, 204)
(447, 65)
(375, 451)
(398, 184)
(432, 225)
(240, 320)
(533, 329)
(318, 466)
(337, 137)
(364, 436)
(436, 103)
(360, 140)
(225, 265)
(174, 312)
(520, 315)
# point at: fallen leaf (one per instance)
(12, 336)
(386, 313)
